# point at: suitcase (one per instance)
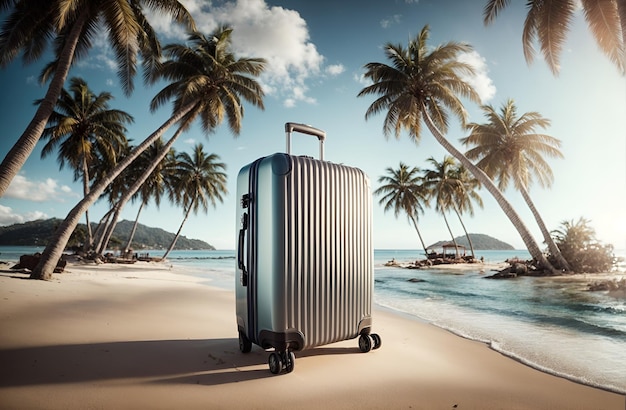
(304, 254)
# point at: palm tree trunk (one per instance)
(179, 229)
(554, 249)
(506, 207)
(137, 185)
(110, 227)
(413, 219)
(101, 229)
(469, 240)
(52, 253)
(132, 231)
(89, 240)
(19, 153)
(456, 247)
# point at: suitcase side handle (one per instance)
(305, 129)
(240, 250)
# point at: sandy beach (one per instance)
(142, 336)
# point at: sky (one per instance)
(316, 53)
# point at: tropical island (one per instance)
(38, 233)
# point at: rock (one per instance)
(31, 261)
(519, 268)
(503, 274)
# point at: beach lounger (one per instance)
(304, 254)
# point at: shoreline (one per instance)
(128, 336)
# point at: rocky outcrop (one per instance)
(29, 262)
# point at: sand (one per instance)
(144, 337)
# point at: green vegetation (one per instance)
(198, 181)
(402, 190)
(584, 253)
(38, 233)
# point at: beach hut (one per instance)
(448, 250)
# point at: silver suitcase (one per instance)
(304, 254)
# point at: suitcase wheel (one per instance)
(245, 345)
(369, 342)
(276, 363)
(365, 343)
(376, 340)
(282, 361)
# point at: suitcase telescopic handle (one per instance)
(305, 129)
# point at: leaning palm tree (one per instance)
(211, 61)
(199, 180)
(155, 186)
(549, 21)
(73, 24)
(84, 129)
(442, 187)
(421, 85)
(464, 197)
(131, 185)
(508, 148)
(206, 81)
(403, 191)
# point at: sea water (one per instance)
(552, 324)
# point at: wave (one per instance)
(511, 350)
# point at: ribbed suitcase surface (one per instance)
(328, 263)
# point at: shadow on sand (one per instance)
(206, 362)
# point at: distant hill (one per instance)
(480, 242)
(38, 233)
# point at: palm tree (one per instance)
(442, 186)
(73, 24)
(199, 180)
(156, 184)
(85, 129)
(549, 21)
(421, 86)
(210, 61)
(508, 148)
(207, 81)
(464, 197)
(403, 191)
(131, 185)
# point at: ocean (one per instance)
(552, 324)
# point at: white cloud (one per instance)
(388, 22)
(190, 141)
(299, 94)
(277, 34)
(37, 191)
(31, 80)
(480, 81)
(335, 69)
(9, 217)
